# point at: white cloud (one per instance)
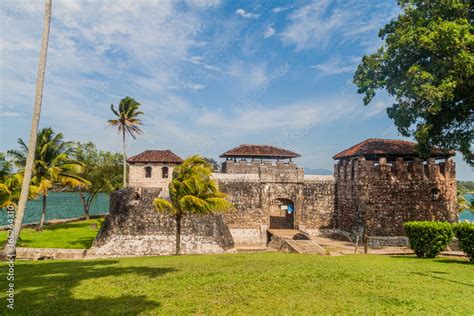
(280, 9)
(250, 76)
(269, 32)
(336, 66)
(246, 14)
(322, 22)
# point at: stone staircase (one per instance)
(292, 240)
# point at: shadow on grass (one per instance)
(84, 242)
(442, 278)
(50, 288)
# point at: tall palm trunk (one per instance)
(20, 212)
(124, 160)
(178, 234)
(43, 213)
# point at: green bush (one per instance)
(428, 239)
(465, 233)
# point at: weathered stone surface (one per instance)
(382, 196)
(257, 198)
(133, 227)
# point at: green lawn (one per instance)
(69, 235)
(258, 284)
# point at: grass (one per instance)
(259, 284)
(73, 235)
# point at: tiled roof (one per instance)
(164, 156)
(376, 147)
(259, 151)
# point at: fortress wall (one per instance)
(133, 227)
(384, 195)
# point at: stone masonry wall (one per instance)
(255, 198)
(136, 175)
(382, 196)
(133, 227)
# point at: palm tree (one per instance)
(20, 211)
(53, 164)
(127, 122)
(192, 191)
(10, 191)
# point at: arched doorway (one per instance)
(282, 215)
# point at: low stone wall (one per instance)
(49, 253)
(387, 241)
(135, 228)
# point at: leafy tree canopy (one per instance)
(427, 65)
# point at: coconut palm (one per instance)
(127, 122)
(20, 211)
(192, 191)
(10, 191)
(53, 164)
(5, 167)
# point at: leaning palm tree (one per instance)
(20, 211)
(192, 191)
(53, 164)
(127, 122)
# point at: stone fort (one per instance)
(377, 185)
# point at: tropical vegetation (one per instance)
(427, 64)
(53, 164)
(127, 122)
(102, 169)
(192, 191)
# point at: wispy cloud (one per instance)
(322, 21)
(269, 31)
(245, 14)
(336, 66)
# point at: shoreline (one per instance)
(57, 221)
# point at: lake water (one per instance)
(61, 205)
(68, 205)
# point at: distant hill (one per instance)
(318, 171)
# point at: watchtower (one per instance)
(382, 183)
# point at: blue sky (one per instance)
(210, 74)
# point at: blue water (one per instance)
(467, 215)
(61, 205)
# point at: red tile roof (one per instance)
(259, 151)
(376, 147)
(163, 156)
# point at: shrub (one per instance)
(428, 239)
(465, 233)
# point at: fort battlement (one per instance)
(253, 166)
(395, 170)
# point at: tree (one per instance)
(127, 122)
(53, 164)
(5, 167)
(427, 65)
(102, 170)
(192, 191)
(10, 190)
(20, 211)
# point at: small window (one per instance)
(164, 172)
(148, 172)
(435, 194)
